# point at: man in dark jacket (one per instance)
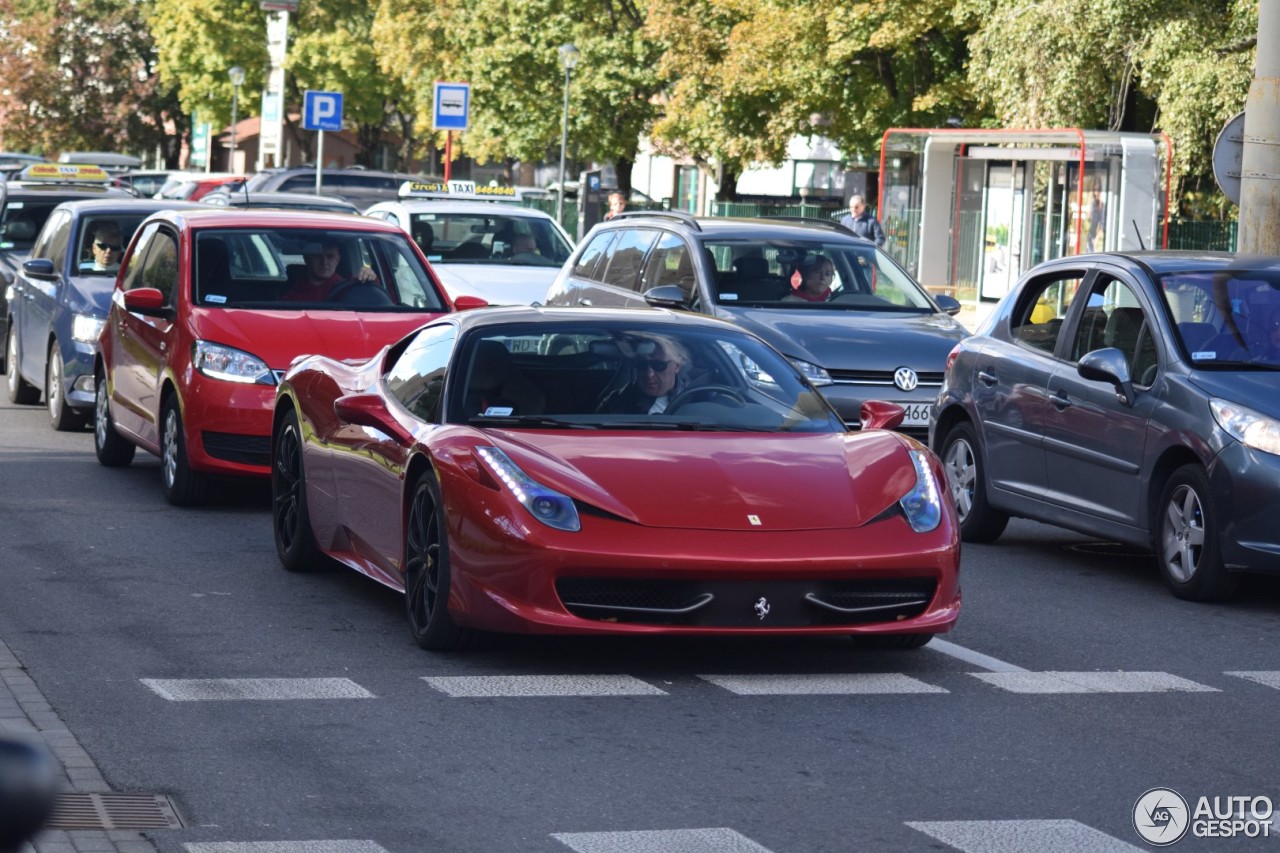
(860, 221)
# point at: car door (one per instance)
(1011, 382)
(39, 296)
(569, 286)
(616, 280)
(144, 344)
(1093, 441)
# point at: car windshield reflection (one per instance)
(1226, 318)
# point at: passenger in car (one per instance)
(816, 274)
(658, 372)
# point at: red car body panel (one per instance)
(712, 505)
(143, 357)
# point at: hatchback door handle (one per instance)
(586, 302)
(1060, 400)
(987, 378)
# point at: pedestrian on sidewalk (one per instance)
(862, 222)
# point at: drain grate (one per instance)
(113, 811)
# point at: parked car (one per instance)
(877, 335)
(479, 241)
(481, 470)
(1134, 397)
(144, 183)
(361, 187)
(210, 308)
(61, 297)
(194, 186)
(25, 204)
(283, 201)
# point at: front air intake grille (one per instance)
(739, 604)
(233, 447)
(927, 378)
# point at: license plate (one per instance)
(917, 414)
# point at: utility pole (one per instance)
(1260, 162)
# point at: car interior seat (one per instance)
(213, 270)
(495, 381)
(20, 229)
(471, 250)
(424, 235)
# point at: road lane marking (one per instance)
(284, 847)
(821, 684)
(1091, 682)
(1267, 678)
(718, 840)
(504, 686)
(209, 689)
(1010, 836)
(971, 657)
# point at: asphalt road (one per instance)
(1073, 684)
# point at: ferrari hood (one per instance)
(723, 481)
(497, 284)
(278, 337)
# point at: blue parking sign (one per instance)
(322, 110)
(452, 106)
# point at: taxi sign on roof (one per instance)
(457, 190)
(64, 172)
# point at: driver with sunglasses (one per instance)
(657, 364)
(107, 249)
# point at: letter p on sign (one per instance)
(322, 110)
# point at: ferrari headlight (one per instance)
(923, 504)
(547, 505)
(816, 375)
(1250, 428)
(231, 365)
(85, 328)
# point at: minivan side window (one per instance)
(590, 258)
(627, 256)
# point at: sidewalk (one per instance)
(24, 713)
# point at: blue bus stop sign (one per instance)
(322, 110)
(452, 106)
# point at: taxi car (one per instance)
(25, 204)
(210, 308)
(61, 300)
(878, 335)
(479, 240)
(479, 466)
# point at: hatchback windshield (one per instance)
(1226, 317)
(474, 238)
(815, 275)
(310, 268)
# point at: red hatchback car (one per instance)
(210, 309)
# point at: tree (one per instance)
(81, 75)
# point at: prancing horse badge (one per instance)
(762, 607)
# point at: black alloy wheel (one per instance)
(295, 540)
(426, 566)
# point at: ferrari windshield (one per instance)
(613, 375)
(1226, 317)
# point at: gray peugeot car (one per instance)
(1134, 397)
(873, 333)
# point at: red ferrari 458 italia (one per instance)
(626, 472)
(210, 309)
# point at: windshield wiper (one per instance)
(528, 421)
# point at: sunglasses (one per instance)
(108, 247)
(657, 365)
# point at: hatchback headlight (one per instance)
(231, 365)
(1250, 428)
(547, 505)
(923, 504)
(85, 328)
(816, 375)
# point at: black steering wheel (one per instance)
(706, 391)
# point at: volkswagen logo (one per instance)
(905, 378)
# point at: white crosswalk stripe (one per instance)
(284, 847)
(542, 685)
(821, 684)
(1022, 836)
(1091, 682)
(1267, 678)
(718, 840)
(208, 689)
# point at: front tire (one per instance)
(1188, 550)
(62, 417)
(112, 449)
(966, 481)
(427, 576)
(182, 486)
(295, 540)
(21, 392)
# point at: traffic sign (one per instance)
(322, 110)
(1228, 158)
(452, 106)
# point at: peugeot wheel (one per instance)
(1190, 558)
(966, 481)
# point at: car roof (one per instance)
(68, 190)
(729, 227)
(444, 205)
(209, 216)
(501, 314)
(263, 199)
(125, 204)
(1161, 261)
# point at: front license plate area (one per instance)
(917, 414)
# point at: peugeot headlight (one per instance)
(816, 375)
(923, 504)
(547, 505)
(85, 328)
(1250, 428)
(231, 365)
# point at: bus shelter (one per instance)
(967, 211)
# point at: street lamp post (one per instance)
(568, 58)
(236, 73)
